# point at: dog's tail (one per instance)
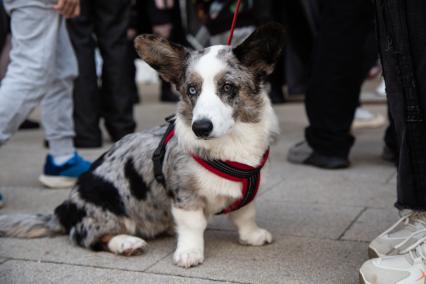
(30, 225)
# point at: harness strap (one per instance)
(160, 152)
(248, 176)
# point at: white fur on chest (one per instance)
(218, 191)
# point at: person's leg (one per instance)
(13, 91)
(63, 165)
(333, 91)
(28, 74)
(33, 73)
(391, 148)
(87, 102)
(402, 38)
(111, 22)
(57, 104)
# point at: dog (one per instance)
(224, 114)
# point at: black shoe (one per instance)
(167, 94)
(302, 153)
(327, 162)
(29, 124)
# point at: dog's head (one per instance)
(219, 85)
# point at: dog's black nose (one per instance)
(202, 127)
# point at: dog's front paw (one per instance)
(256, 237)
(188, 258)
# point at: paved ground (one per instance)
(321, 220)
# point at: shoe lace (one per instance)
(417, 251)
(410, 220)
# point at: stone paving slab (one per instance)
(321, 220)
(332, 189)
(371, 223)
(298, 219)
(287, 260)
(366, 166)
(22, 272)
(60, 249)
(31, 199)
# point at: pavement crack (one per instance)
(156, 262)
(196, 277)
(2, 261)
(128, 270)
(352, 222)
(389, 179)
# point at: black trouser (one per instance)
(337, 74)
(402, 42)
(4, 26)
(102, 23)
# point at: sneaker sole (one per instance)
(57, 182)
(372, 253)
(377, 122)
(362, 279)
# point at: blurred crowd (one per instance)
(102, 38)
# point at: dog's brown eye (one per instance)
(192, 91)
(227, 88)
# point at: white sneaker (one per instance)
(408, 268)
(407, 231)
(366, 119)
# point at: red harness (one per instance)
(248, 176)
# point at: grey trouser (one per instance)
(42, 69)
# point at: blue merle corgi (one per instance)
(224, 114)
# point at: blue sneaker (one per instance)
(64, 175)
(1, 201)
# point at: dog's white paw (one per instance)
(256, 237)
(126, 245)
(188, 258)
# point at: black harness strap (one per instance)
(160, 152)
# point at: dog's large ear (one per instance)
(261, 50)
(162, 55)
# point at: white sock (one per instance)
(60, 160)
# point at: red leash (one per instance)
(234, 21)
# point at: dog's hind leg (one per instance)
(108, 233)
(249, 232)
(126, 245)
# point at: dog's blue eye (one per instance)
(192, 91)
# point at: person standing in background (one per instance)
(103, 24)
(399, 254)
(164, 17)
(335, 83)
(41, 70)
